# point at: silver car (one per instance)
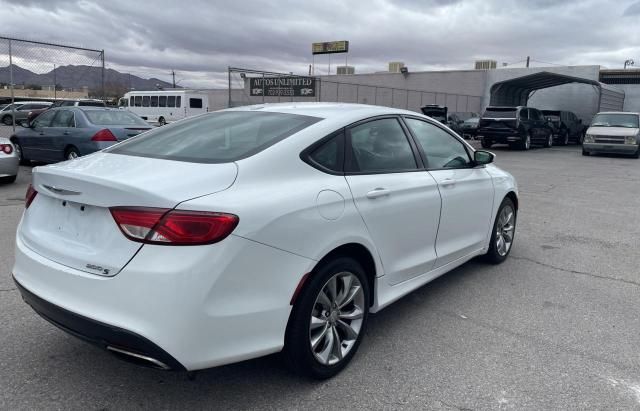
(9, 161)
(613, 133)
(21, 111)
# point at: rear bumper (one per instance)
(188, 307)
(103, 335)
(9, 166)
(500, 136)
(610, 148)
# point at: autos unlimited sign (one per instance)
(283, 86)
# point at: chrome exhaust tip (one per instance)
(138, 358)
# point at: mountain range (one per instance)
(77, 77)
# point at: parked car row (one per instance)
(521, 127)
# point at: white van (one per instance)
(164, 106)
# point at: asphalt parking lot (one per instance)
(555, 326)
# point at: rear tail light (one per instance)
(104, 135)
(6, 148)
(30, 196)
(173, 227)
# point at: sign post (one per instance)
(329, 47)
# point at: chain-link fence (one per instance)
(37, 71)
(255, 87)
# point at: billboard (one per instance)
(282, 86)
(330, 47)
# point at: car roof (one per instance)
(32, 102)
(618, 112)
(325, 110)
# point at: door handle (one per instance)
(378, 192)
(66, 133)
(448, 182)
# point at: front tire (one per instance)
(486, 143)
(162, 121)
(7, 120)
(328, 319)
(585, 152)
(549, 142)
(526, 143)
(564, 138)
(503, 234)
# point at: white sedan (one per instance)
(9, 161)
(254, 230)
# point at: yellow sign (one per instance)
(330, 47)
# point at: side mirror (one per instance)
(482, 157)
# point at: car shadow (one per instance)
(84, 367)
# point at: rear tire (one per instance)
(7, 120)
(320, 315)
(636, 154)
(23, 161)
(526, 143)
(486, 143)
(549, 142)
(564, 138)
(503, 233)
(71, 154)
(162, 121)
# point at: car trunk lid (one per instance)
(69, 221)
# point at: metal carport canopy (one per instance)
(516, 92)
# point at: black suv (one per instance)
(566, 126)
(519, 127)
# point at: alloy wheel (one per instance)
(72, 155)
(505, 228)
(336, 318)
(527, 142)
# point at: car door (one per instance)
(60, 135)
(466, 191)
(33, 145)
(398, 201)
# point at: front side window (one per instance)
(440, 148)
(195, 103)
(63, 119)
(131, 101)
(138, 101)
(44, 119)
(216, 138)
(380, 146)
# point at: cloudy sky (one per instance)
(199, 39)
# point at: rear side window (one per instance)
(329, 155)
(380, 146)
(195, 103)
(145, 101)
(178, 101)
(154, 101)
(163, 101)
(114, 118)
(216, 138)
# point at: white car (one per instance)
(9, 161)
(248, 231)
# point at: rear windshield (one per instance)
(91, 104)
(114, 118)
(216, 138)
(495, 112)
(615, 120)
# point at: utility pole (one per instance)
(173, 74)
(55, 88)
(528, 58)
